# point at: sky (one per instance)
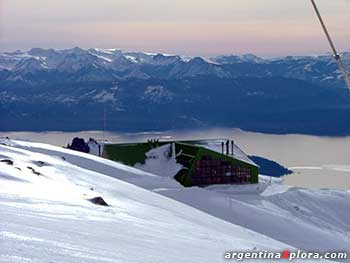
(187, 27)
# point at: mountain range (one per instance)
(81, 89)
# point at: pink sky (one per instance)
(191, 27)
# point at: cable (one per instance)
(337, 57)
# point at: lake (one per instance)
(318, 162)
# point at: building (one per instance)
(204, 165)
(204, 162)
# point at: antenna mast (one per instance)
(335, 53)
(104, 122)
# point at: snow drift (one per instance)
(47, 217)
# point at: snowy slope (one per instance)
(158, 162)
(45, 217)
(313, 220)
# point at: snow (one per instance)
(109, 51)
(95, 147)
(105, 96)
(328, 78)
(159, 163)
(157, 94)
(47, 218)
(308, 67)
(103, 58)
(131, 58)
(149, 211)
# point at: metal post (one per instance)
(104, 122)
(336, 55)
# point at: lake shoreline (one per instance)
(150, 131)
(330, 155)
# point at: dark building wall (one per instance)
(210, 167)
(209, 171)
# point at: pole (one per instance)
(104, 122)
(335, 53)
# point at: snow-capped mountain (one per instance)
(159, 91)
(114, 64)
(76, 58)
(234, 59)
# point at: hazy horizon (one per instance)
(175, 54)
(195, 28)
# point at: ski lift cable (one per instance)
(337, 57)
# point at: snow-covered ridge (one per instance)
(55, 59)
(255, 215)
(41, 65)
(45, 215)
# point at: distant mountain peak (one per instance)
(233, 59)
(115, 64)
